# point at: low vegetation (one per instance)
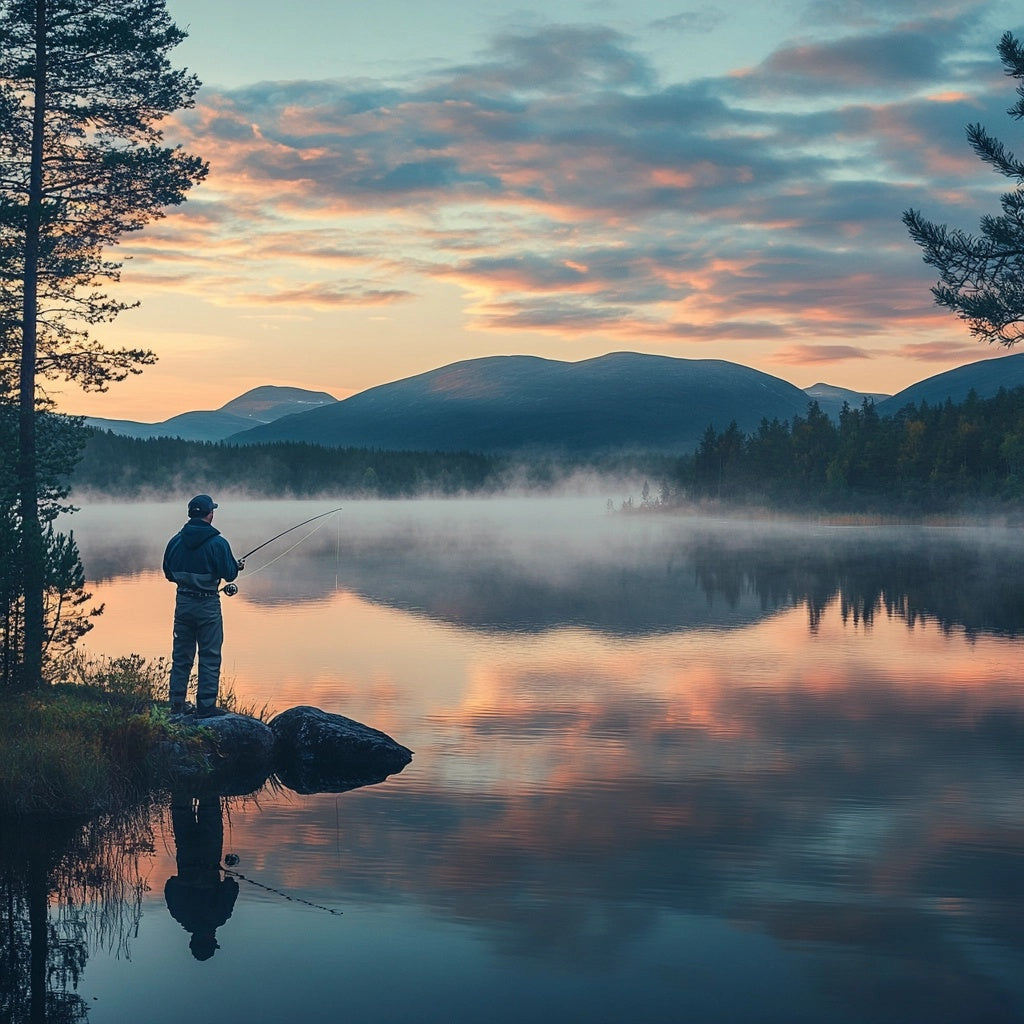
(91, 743)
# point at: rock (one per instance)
(234, 754)
(246, 742)
(178, 761)
(318, 752)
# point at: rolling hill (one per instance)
(624, 401)
(260, 405)
(831, 399)
(985, 377)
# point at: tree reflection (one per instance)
(65, 888)
(693, 574)
(529, 568)
(942, 576)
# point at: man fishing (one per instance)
(196, 559)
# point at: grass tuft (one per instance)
(86, 745)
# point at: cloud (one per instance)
(321, 297)
(696, 21)
(564, 188)
(947, 352)
(802, 355)
(554, 58)
(907, 56)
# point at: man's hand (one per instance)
(241, 564)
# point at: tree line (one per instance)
(113, 464)
(923, 457)
(927, 457)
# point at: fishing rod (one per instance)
(305, 522)
(230, 589)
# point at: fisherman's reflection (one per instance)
(200, 898)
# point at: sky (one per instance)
(401, 185)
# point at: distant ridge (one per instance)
(985, 377)
(831, 399)
(624, 401)
(618, 402)
(260, 405)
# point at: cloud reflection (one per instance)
(808, 732)
(860, 825)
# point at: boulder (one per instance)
(234, 754)
(318, 752)
(243, 754)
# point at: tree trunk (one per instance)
(33, 568)
(39, 939)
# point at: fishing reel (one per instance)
(229, 590)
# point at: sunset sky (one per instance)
(399, 185)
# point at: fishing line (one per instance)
(230, 589)
(286, 551)
(277, 892)
(337, 558)
(311, 519)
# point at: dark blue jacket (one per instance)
(198, 557)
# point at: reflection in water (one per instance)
(534, 566)
(666, 770)
(199, 897)
(66, 889)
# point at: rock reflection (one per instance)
(200, 897)
(66, 889)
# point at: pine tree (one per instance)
(84, 87)
(981, 277)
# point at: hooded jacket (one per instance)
(198, 558)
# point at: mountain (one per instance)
(260, 405)
(985, 377)
(624, 401)
(831, 399)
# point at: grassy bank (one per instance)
(90, 743)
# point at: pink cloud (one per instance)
(802, 355)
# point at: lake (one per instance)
(667, 768)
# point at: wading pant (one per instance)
(198, 626)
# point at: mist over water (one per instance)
(666, 767)
(538, 564)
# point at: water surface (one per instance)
(666, 768)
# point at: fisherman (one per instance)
(197, 558)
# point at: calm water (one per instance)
(667, 769)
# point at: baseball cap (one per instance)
(201, 505)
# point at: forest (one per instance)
(920, 459)
(112, 464)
